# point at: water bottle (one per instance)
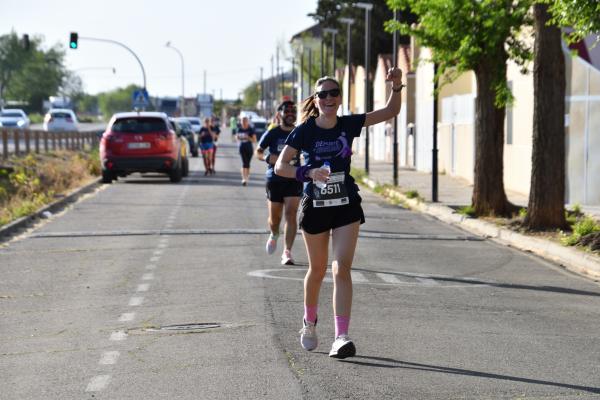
(323, 184)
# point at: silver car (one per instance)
(14, 118)
(60, 119)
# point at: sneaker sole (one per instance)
(288, 262)
(347, 350)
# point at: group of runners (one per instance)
(331, 209)
(208, 136)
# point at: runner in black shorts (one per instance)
(324, 137)
(245, 136)
(282, 193)
(216, 129)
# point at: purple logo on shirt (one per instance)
(340, 146)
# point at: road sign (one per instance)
(140, 99)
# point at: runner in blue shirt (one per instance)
(334, 210)
(206, 139)
(282, 193)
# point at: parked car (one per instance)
(260, 126)
(196, 123)
(60, 119)
(183, 127)
(142, 142)
(14, 118)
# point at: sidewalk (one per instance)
(453, 191)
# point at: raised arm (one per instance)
(392, 108)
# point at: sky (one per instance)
(229, 39)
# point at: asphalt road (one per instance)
(152, 290)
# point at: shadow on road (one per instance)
(383, 362)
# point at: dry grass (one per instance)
(28, 183)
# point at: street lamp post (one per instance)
(182, 106)
(367, 7)
(395, 62)
(333, 33)
(348, 22)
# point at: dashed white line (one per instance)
(143, 287)
(358, 277)
(148, 277)
(388, 278)
(125, 317)
(118, 336)
(98, 383)
(427, 281)
(109, 358)
(158, 252)
(136, 301)
(150, 266)
(154, 259)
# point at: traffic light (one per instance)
(73, 40)
(26, 42)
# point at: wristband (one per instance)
(301, 174)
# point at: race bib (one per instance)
(242, 137)
(280, 147)
(332, 195)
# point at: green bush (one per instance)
(469, 211)
(583, 227)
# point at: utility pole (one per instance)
(367, 7)
(434, 151)
(262, 92)
(333, 33)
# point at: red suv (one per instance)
(142, 142)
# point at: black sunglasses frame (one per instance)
(331, 92)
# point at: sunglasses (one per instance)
(289, 110)
(323, 93)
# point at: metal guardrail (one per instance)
(24, 141)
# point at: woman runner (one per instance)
(245, 136)
(336, 209)
(206, 137)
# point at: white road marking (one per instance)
(125, 317)
(148, 277)
(136, 301)
(154, 259)
(98, 383)
(162, 245)
(109, 358)
(383, 279)
(358, 277)
(427, 281)
(143, 287)
(158, 252)
(118, 335)
(150, 266)
(389, 278)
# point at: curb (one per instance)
(54, 207)
(573, 260)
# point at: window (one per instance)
(139, 125)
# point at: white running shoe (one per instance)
(286, 258)
(271, 244)
(342, 347)
(308, 336)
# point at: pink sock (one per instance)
(310, 313)
(341, 325)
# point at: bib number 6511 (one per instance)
(331, 189)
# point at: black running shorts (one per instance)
(322, 219)
(277, 190)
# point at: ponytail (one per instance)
(308, 109)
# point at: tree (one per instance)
(581, 16)
(547, 191)
(251, 95)
(30, 75)
(479, 36)
(116, 100)
(547, 194)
